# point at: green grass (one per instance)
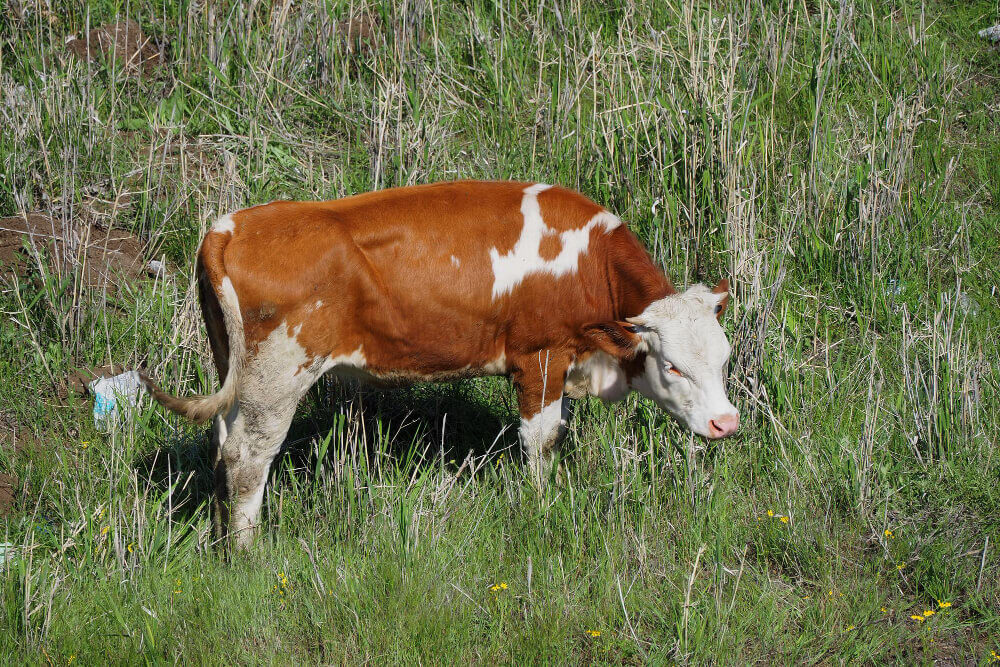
(838, 164)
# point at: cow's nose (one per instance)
(724, 425)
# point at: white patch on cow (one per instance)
(496, 367)
(221, 430)
(524, 259)
(283, 364)
(600, 375)
(540, 434)
(247, 510)
(228, 295)
(354, 359)
(540, 429)
(224, 225)
(312, 308)
(455, 262)
(682, 332)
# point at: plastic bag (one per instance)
(114, 398)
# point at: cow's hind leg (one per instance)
(249, 438)
(250, 435)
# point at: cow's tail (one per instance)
(218, 298)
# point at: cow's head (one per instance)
(683, 367)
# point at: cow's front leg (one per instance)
(539, 380)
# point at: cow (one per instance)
(438, 282)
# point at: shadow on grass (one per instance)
(399, 428)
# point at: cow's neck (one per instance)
(634, 280)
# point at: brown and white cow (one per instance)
(438, 282)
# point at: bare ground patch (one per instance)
(100, 257)
(123, 40)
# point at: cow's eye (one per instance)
(673, 369)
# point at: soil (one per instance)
(360, 30)
(104, 256)
(9, 487)
(123, 40)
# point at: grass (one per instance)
(837, 161)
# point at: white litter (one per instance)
(114, 398)
(7, 552)
(156, 268)
(992, 33)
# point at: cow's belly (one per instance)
(383, 374)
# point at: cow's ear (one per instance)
(723, 289)
(619, 339)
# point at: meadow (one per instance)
(836, 161)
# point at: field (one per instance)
(837, 161)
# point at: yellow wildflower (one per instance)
(770, 512)
(900, 566)
(944, 605)
(917, 617)
(884, 610)
(848, 628)
(888, 533)
(104, 531)
(503, 585)
(129, 547)
(929, 612)
(784, 519)
(594, 633)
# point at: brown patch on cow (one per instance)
(122, 40)
(721, 288)
(634, 367)
(550, 247)
(9, 491)
(563, 209)
(96, 257)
